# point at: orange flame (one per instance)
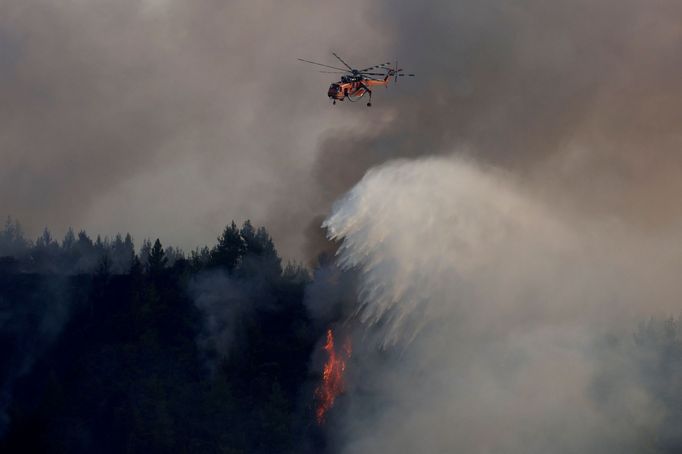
(332, 377)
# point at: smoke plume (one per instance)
(480, 312)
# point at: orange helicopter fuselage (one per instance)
(353, 88)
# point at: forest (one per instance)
(111, 348)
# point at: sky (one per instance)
(168, 118)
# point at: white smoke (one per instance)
(481, 309)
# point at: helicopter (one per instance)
(356, 83)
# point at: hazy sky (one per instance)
(171, 118)
(168, 118)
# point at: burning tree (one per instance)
(333, 383)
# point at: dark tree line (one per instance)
(102, 353)
(75, 254)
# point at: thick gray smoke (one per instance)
(480, 309)
(121, 115)
(580, 98)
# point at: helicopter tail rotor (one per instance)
(397, 72)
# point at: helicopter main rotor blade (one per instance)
(380, 65)
(320, 64)
(341, 60)
(333, 72)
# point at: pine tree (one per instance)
(69, 240)
(261, 257)
(12, 241)
(229, 250)
(157, 259)
(145, 252)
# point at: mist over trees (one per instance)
(112, 348)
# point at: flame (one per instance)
(332, 376)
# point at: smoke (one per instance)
(109, 106)
(580, 98)
(227, 306)
(118, 115)
(33, 311)
(331, 294)
(480, 312)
